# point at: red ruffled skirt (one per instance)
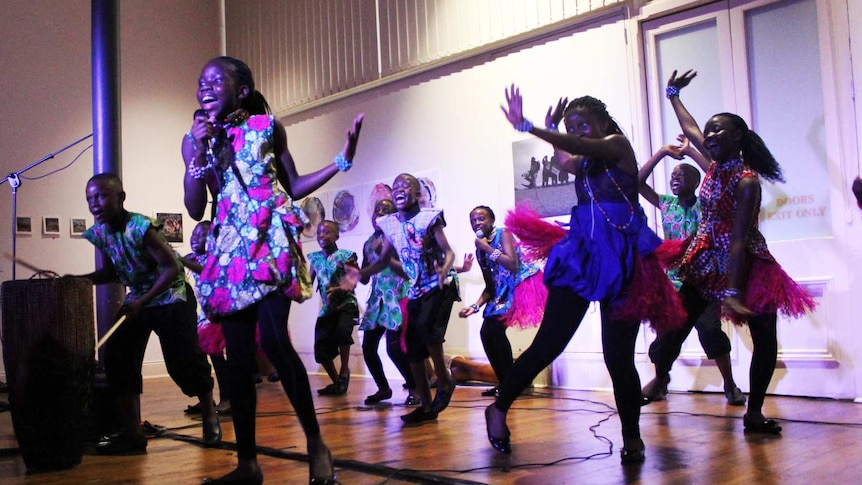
(646, 295)
(768, 289)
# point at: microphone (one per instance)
(201, 113)
(479, 234)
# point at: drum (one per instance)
(48, 350)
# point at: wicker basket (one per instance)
(48, 349)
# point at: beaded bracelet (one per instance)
(731, 293)
(671, 92)
(198, 173)
(342, 163)
(192, 141)
(524, 126)
(495, 255)
(474, 307)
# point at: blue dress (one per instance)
(608, 231)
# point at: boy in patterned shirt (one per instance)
(415, 234)
(333, 332)
(159, 300)
(680, 216)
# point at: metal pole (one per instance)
(107, 154)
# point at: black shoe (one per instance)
(767, 426)
(193, 409)
(492, 392)
(151, 430)
(633, 455)
(419, 415)
(231, 479)
(503, 445)
(323, 481)
(412, 401)
(330, 390)
(341, 385)
(658, 390)
(378, 396)
(121, 444)
(212, 433)
(735, 397)
(442, 398)
(223, 409)
(330, 480)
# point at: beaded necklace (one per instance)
(595, 201)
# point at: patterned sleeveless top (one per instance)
(417, 248)
(505, 281)
(134, 266)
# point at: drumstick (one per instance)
(23, 263)
(110, 332)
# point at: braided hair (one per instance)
(254, 103)
(754, 151)
(486, 209)
(596, 107)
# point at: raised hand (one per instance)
(674, 152)
(685, 147)
(467, 265)
(353, 138)
(555, 113)
(202, 129)
(515, 112)
(683, 80)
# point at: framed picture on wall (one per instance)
(51, 225)
(539, 179)
(172, 225)
(77, 226)
(24, 225)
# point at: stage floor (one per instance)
(558, 436)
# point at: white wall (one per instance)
(453, 123)
(45, 56)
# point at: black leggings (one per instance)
(220, 367)
(497, 346)
(703, 315)
(370, 343)
(764, 337)
(564, 312)
(239, 334)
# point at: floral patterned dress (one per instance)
(248, 243)
(383, 307)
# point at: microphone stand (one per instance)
(14, 180)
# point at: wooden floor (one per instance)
(557, 437)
